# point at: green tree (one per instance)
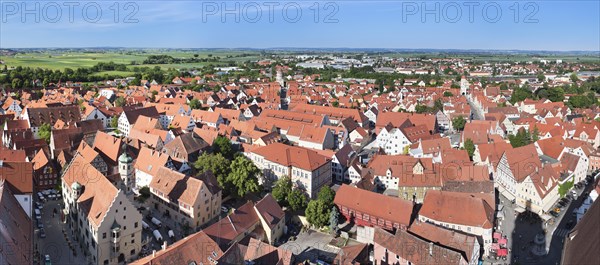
(296, 199)
(135, 82)
(520, 94)
(574, 77)
(45, 132)
(223, 146)
(535, 135)
(541, 77)
(421, 108)
(16, 83)
(522, 138)
(334, 220)
(326, 195)
(470, 147)
(459, 123)
(281, 190)
(556, 94)
(120, 102)
(448, 94)
(114, 122)
(195, 104)
(317, 213)
(217, 164)
(243, 176)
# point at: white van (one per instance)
(145, 225)
(157, 236)
(156, 222)
(38, 214)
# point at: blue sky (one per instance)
(541, 25)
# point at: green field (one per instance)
(66, 60)
(498, 57)
(60, 60)
(115, 73)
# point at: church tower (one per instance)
(126, 170)
(464, 86)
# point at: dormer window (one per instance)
(418, 168)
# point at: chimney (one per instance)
(164, 245)
(154, 253)
(430, 248)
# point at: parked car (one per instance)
(39, 205)
(156, 222)
(553, 213)
(570, 224)
(224, 209)
(157, 236)
(40, 224)
(42, 233)
(47, 260)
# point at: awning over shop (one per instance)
(502, 241)
(503, 252)
(546, 217)
(500, 215)
(497, 235)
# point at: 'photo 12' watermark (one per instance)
(469, 11)
(69, 11)
(204, 11)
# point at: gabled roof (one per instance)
(198, 247)
(419, 252)
(448, 207)
(40, 116)
(16, 237)
(205, 116)
(295, 156)
(16, 125)
(190, 142)
(107, 145)
(18, 175)
(10, 155)
(235, 224)
(582, 243)
(87, 152)
(353, 254)
(522, 161)
(177, 186)
(451, 239)
(149, 161)
(40, 160)
(97, 194)
(133, 114)
(389, 208)
(263, 253)
(270, 211)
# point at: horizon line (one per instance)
(310, 48)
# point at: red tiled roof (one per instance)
(389, 208)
